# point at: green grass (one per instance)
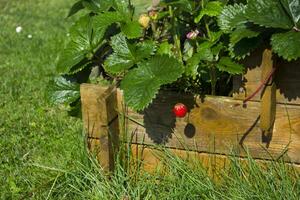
(31, 130)
(42, 155)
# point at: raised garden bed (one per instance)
(268, 126)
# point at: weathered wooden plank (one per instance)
(214, 125)
(92, 109)
(268, 97)
(215, 164)
(217, 125)
(100, 119)
(286, 79)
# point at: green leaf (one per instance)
(63, 90)
(204, 51)
(97, 5)
(228, 65)
(232, 16)
(122, 57)
(268, 13)
(293, 8)
(165, 48)
(75, 8)
(144, 50)
(126, 55)
(102, 21)
(240, 33)
(244, 47)
(77, 49)
(204, 54)
(212, 9)
(188, 50)
(141, 84)
(132, 29)
(81, 32)
(215, 36)
(287, 45)
(73, 55)
(115, 63)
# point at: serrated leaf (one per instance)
(144, 50)
(102, 21)
(293, 8)
(232, 16)
(73, 55)
(132, 29)
(80, 45)
(212, 9)
(141, 85)
(98, 5)
(122, 57)
(62, 90)
(226, 64)
(286, 45)
(81, 32)
(120, 45)
(215, 36)
(116, 63)
(126, 55)
(204, 51)
(240, 33)
(244, 47)
(75, 8)
(165, 48)
(268, 13)
(188, 50)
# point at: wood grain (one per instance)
(152, 160)
(218, 125)
(268, 97)
(100, 119)
(286, 79)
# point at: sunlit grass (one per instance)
(31, 130)
(41, 148)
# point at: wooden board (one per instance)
(287, 78)
(215, 164)
(217, 125)
(100, 119)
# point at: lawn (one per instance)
(42, 150)
(32, 132)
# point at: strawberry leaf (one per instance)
(232, 16)
(226, 64)
(240, 33)
(293, 8)
(63, 90)
(268, 13)
(126, 55)
(286, 45)
(141, 84)
(132, 29)
(211, 9)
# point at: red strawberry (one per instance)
(180, 110)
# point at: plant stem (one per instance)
(175, 33)
(213, 79)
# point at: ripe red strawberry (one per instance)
(180, 110)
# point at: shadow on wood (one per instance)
(159, 119)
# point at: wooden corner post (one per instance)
(100, 120)
(268, 97)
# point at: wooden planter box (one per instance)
(268, 127)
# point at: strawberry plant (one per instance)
(274, 23)
(175, 44)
